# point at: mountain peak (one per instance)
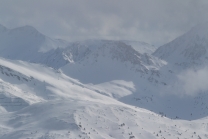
(26, 28)
(189, 48)
(116, 49)
(28, 32)
(200, 30)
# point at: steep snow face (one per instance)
(53, 58)
(189, 49)
(13, 96)
(10, 99)
(115, 49)
(107, 60)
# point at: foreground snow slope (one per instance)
(86, 119)
(65, 108)
(59, 107)
(45, 82)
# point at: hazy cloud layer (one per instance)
(194, 82)
(153, 21)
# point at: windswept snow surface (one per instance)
(65, 108)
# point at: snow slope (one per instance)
(70, 109)
(78, 119)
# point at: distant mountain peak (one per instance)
(108, 48)
(28, 44)
(189, 48)
(200, 29)
(27, 29)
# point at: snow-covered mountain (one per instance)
(187, 60)
(120, 72)
(105, 60)
(99, 88)
(185, 72)
(27, 44)
(187, 50)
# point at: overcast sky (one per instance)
(152, 21)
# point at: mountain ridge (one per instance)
(190, 48)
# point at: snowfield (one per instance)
(44, 103)
(85, 119)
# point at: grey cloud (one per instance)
(194, 82)
(152, 21)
